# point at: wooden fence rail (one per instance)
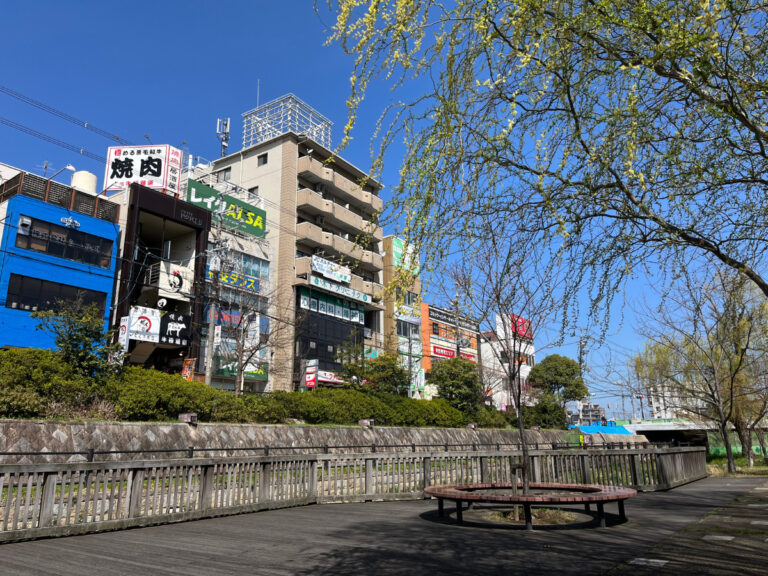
(40, 500)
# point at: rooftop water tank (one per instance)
(84, 181)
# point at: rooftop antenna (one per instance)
(222, 130)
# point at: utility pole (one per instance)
(214, 265)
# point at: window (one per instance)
(34, 294)
(435, 329)
(254, 191)
(65, 243)
(261, 159)
(225, 175)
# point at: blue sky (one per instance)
(164, 71)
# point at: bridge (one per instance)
(712, 526)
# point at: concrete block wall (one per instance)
(50, 437)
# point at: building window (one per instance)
(225, 175)
(254, 191)
(28, 293)
(435, 329)
(63, 242)
(261, 159)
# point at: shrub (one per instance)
(17, 402)
(489, 417)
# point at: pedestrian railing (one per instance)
(40, 500)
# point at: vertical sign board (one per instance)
(122, 334)
(155, 166)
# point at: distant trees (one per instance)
(708, 354)
(558, 379)
(384, 373)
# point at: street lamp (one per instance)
(67, 167)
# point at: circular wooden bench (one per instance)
(586, 494)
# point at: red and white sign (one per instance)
(310, 380)
(521, 326)
(328, 377)
(155, 166)
(443, 352)
(469, 357)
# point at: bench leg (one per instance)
(528, 517)
(622, 515)
(440, 510)
(601, 514)
(459, 517)
(587, 507)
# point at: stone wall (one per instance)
(50, 437)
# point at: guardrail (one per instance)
(41, 500)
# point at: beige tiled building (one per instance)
(326, 252)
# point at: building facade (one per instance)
(325, 247)
(59, 243)
(160, 282)
(402, 312)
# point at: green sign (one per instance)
(234, 213)
(260, 372)
(403, 258)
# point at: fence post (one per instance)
(369, 466)
(313, 481)
(265, 483)
(427, 475)
(206, 487)
(635, 469)
(535, 469)
(47, 499)
(135, 488)
(484, 469)
(586, 475)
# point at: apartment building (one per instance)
(325, 248)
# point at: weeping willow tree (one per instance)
(626, 132)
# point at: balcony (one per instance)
(317, 172)
(314, 236)
(314, 204)
(171, 280)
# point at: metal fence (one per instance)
(38, 500)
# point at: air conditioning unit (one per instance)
(25, 223)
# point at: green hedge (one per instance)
(36, 384)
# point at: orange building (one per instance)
(445, 335)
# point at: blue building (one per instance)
(56, 243)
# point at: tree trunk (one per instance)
(761, 440)
(728, 450)
(524, 446)
(745, 439)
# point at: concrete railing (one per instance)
(40, 500)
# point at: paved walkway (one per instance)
(714, 526)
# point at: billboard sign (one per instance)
(235, 279)
(144, 324)
(174, 329)
(234, 213)
(404, 256)
(331, 270)
(443, 352)
(339, 289)
(155, 166)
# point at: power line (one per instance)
(63, 115)
(27, 130)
